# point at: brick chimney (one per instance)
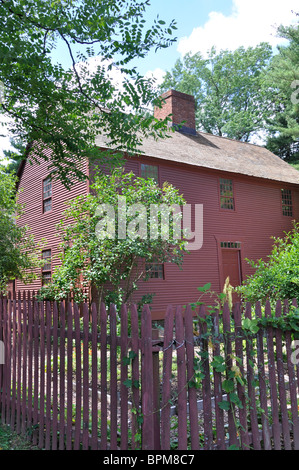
(182, 108)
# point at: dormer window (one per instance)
(47, 195)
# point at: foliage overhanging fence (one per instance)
(76, 378)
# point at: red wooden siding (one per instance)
(43, 224)
(256, 218)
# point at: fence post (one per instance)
(156, 391)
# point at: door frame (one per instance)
(234, 239)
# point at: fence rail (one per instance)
(76, 377)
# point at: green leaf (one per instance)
(228, 386)
(224, 405)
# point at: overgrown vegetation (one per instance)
(278, 276)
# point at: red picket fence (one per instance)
(78, 378)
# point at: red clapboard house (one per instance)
(248, 195)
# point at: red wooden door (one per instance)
(232, 267)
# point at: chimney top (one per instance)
(181, 107)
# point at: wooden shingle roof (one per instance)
(218, 153)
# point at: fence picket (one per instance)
(193, 414)
(206, 383)
(78, 383)
(241, 388)
(262, 383)
(219, 414)
(19, 366)
(85, 439)
(6, 365)
(13, 385)
(182, 384)
(30, 364)
(147, 380)
(124, 415)
(250, 351)
(94, 378)
(48, 376)
(62, 378)
(55, 377)
(8, 313)
(166, 390)
(69, 377)
(135, 377)
(42, 375)
(103, 339)
(24, 372)
(272, 381)
(233, 440)
(292, 382)
(36, 370)
(281, 383)
(113, 379)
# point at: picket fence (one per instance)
(78, 378)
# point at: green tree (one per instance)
(278, 277)
(19, 255)
(62, 110)
(231, 99)
(15, 155)
(283, 79)
(114, 263)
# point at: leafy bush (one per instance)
(278, 277)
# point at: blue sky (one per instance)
(188, 14)
(225, 24)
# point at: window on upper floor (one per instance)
(47, 267)
(47, 195)
(287, 205)
(226, 194)
(155, 270)
(150, 171)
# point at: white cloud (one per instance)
(157, 74)
(250, 23)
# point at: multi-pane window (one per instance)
(47, 195)
(155, 270)
(226, 194)
(287, 205)
(47, 267)
(150, 171)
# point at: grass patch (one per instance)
(12, 441)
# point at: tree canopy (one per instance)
(63, 109)
(283, 79)
(228, 87)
